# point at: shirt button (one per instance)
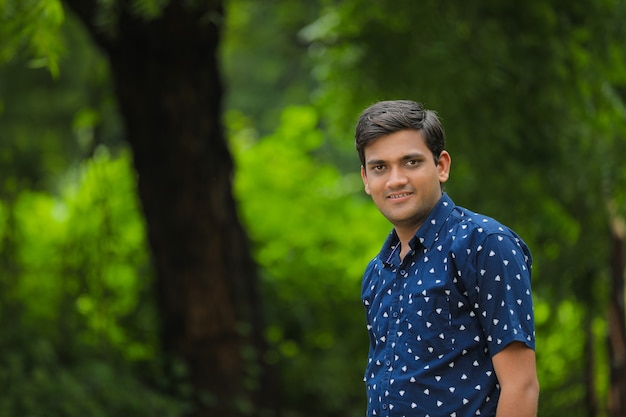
(387, 362)
(395, 314)
(384, 406)
(402, 272)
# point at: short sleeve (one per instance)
(502, 295)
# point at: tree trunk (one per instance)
(617, 325)
(169, 90)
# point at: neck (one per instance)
(405, 236)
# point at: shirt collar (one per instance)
(425, 235)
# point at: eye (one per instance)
(377, 169)
(413, 162)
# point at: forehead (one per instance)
(397, 145)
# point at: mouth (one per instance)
(398, 196)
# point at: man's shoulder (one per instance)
(480, 231)
(469, 221)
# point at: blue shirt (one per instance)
(436, 318)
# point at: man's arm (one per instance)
(516, 370)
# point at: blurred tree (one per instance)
(165, 71)
(163, 61)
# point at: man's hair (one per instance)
(386, 117)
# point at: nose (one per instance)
(396, 178)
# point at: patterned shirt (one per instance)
(436, 318)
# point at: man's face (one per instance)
(402, 178)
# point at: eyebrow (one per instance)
(416, 155)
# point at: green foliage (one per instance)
(265, 63)
(532, 97)
(568, 335)
(78, 312)
(32, 27)
(313, 232)
(37, 383)
(49, 124)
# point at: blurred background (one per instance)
(182, 222)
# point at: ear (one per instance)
(443, 166)
(365, 182)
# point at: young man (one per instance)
(448, 301)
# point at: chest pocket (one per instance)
(428, 326)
